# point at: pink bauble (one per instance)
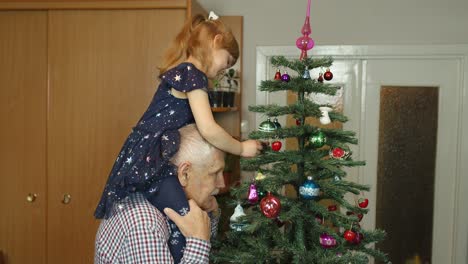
(304, 43)
(327, 241)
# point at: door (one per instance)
(103, 72)
(23, 103)
(428, 176)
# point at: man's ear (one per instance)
(182, 172)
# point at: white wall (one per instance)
(341, 22)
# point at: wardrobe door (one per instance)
(103, 71)
(23, 106)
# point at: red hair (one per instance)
(195, 40)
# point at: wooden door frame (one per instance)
(457, 53)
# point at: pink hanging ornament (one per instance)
(305, 43)
(253, 193)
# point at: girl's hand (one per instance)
(250, 148)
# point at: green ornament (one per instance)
(318, 139)
(267, 126)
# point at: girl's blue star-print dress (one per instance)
(143, 162)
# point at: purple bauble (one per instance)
(285, 77)
(327, 241)
(253, 193)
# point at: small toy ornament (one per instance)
(277, 123)
(309, 190)
(267, 126)
(325, 118)
(298, 122)
(337, 178)
(327, 241)
(332, 207)
(320, 78)
(234, 222)
(260, 176)
(363, 202)
(276, 145)
(253, 193)
(338, 153)
(349, 235)
(278, 75)
(318, 139)
(270, 206)
(306, 74)
(285, 77)
(328, 75)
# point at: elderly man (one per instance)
(139, 233)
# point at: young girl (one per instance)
(203, 48)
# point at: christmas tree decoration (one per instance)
(318, 139)
(306, 74)
(318, 219)
(338, 153)
(325, 118)
(260, 176)
(328, 75)
(298, 122)
(234, 222)
(253, 194)
(327, 241)
(332, 207)
(278, 75)
(285, 77)
(363, 202)
(337, 178)
(276, 145)
(358, 238)
(349, 235)
(305, 43)
(309, 190)
(267, 126)
(277, 123)
(270, 206)
(320, 78)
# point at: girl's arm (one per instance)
(209, 129)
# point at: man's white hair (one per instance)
(193, 148)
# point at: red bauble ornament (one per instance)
(338, 153)
(363, 202)
(320, 78)
(328, 75)
(298, 122)
(276, 146)
(349, 235)
(332, 207)
(278, 75)
(270, 206)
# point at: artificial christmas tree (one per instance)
(281, 227)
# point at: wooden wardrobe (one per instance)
(74, 79)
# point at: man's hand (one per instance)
(194, 224)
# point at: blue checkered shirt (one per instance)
(139, 233)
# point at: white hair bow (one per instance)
(212, 16)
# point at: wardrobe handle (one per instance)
(66, 198)
(31, 197)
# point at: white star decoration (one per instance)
(177, 78)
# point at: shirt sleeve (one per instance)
(146, 245)
(214, 223)
(185, 78)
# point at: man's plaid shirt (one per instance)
(138, 233)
